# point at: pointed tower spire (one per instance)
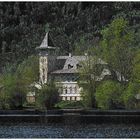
(46, 59)
(45, 43)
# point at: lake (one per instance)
(38, 130)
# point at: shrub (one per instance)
(47, 97)
(69, 104)
(13, 100)
(4, 104)
(108, 95)
(15, 81)
(17, 98)
(12, 94)
(129, 96)
(88, 97)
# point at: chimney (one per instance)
(70, 55)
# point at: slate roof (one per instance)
(45, 42)
(62, 57)
(63, 62)
(69, 64)
(65, 71)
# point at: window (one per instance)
(63, 98)
(70, 89)
(75, 89)
(43, 71)
(70, 66)
(66, 90)
(42, 60)
(60, 90)
(73, 98)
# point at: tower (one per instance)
(46, 59)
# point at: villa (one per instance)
(63, 69)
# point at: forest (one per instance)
(108, 30)
(23, 25)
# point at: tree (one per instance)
(12, 94)
(88, 79)
(15, 81)
(136, 67)
(8, 84)
(28, 71)
(128, 96)
(24, 23)
(47, 97)
(116, 47)
(86, 43)
(108, 95)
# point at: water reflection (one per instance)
(33, 130)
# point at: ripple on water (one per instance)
(32, 130)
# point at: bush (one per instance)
(14, 82)
(88, 97)
(69, 104)
(12, 99)
(4, 104)
(108, 95)
(12, 94)
(129, 96)
(17, 98)
(47, 97)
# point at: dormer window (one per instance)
(70, 66)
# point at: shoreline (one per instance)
(71, 116)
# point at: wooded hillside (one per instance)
(23, 24)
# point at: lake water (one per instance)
(34, 130)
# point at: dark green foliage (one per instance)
(108, 95)
(23, 24)
(47, 97)
(17, 98)
(69, 104)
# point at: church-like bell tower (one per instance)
(46, 59)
